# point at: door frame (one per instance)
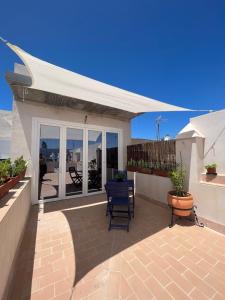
(37, 122)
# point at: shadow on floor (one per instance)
(93, 243)
(83, 222)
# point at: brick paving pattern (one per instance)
(68, 253)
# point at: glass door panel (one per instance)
(111, 154)
(74, 162)
(94, 161)
(49, 156)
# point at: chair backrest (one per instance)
(117, 189)
(73, 173)
(72, 170)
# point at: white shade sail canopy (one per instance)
(53, 79)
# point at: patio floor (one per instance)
(68, 253)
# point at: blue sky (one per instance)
(173, 51)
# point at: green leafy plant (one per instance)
(129, 163)
(19, 166)
(120, 176)
(4, 170)
(146, 165)
(177, 177)
(211, 166)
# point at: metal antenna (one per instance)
(158, 121)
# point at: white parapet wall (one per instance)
(202, 142)
(14, 211)
(151, 186)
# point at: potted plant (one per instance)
(131, 165)
(19, 167)
(211, 169)
(179, 199)
(120, 176)
(5, 182)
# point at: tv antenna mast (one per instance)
(158, 121)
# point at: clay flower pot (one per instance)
(22, 175)
(131, 169)
(211, 171)
(181, 203)
(5, 187)
(14, 180)
(162, 173)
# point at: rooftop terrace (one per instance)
(68, 253)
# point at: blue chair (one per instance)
(118, 195)
(130, 183)
(131, 188)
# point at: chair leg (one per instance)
(110, 217)
(133, 207)
(129, 218)
(129, 214)
(171, 223)
(107, 209)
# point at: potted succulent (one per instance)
(179, 199)
(211, 169)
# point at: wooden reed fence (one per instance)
(155, 155)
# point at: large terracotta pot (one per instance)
(181, 203)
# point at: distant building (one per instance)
(5, 133)
(139, 141)
(167, 137)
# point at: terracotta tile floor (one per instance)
(68, 253)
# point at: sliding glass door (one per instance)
(111, 154)
(94, 161)
(49, 160)
(74, 161)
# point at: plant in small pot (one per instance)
(211, 169)
(5, 182)
(131, 165)
(19, 167)
(180, 201)
(120, 176)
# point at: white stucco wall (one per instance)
(151, 186)
(212, 127)
(5, 133)
(14, 213)
(23, 112)
(200, 143)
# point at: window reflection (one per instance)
(74, 161)
(49, 162)
(111, 153)
(94, 161)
